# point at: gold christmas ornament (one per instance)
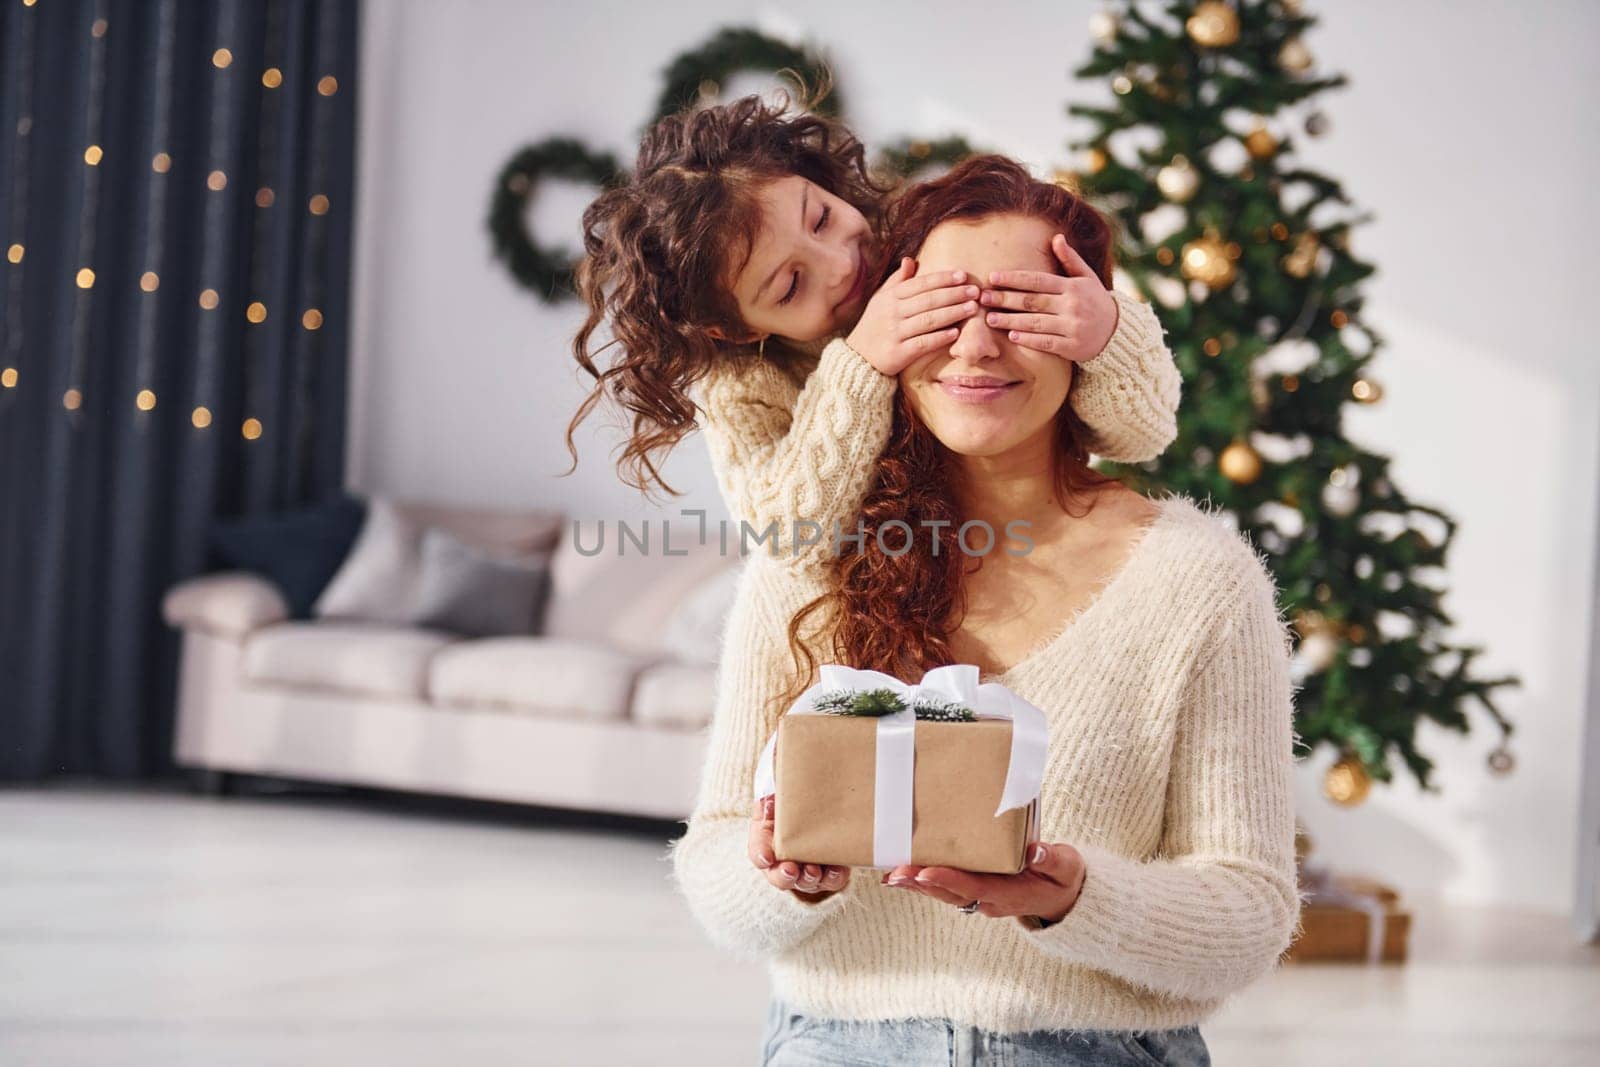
(1347, 782)
(1206, 260)
(1260, 143)
(1366, 391)
(1178, 180)
(1303, 257)
(1094, 160)
(1294, 56)
(1103, 26)
(1240, 463)
(1213, 25)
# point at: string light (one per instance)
(208, 299)
(14, 253)
(99, 28)
(272, 77)
(71, 399)
(146, 399)
(201, 417)
(149, 281)
(161, 163)
(85, 278)
(327, 85)
(251, 429)
(312, 319)
(256, 312)
(264, 197)
(319, 204)
(91, 155)
(221, 58)
(216, 181)
(8, 377)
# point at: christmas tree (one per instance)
(1248, 256)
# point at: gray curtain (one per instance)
(176, 200)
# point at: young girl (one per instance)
(740, 260)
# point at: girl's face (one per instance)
(985, 395)
(806, 274)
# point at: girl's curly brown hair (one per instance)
(896, 614)
(660, 249)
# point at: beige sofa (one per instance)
(606, 710)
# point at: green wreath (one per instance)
(907, 158)
(698, 75)
(547, 271)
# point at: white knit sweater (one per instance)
(1169, 768)
(1177, 796)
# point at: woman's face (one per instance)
(1012, 395)
(806, 274)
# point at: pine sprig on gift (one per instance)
(875, 703)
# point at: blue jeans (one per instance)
(795, 1039)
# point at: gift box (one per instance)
(868, 771)
(1346, 917)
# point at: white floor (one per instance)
(150, 927)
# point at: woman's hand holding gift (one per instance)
(909, 317)
(1047, 887)
(1073, 317)
(811, 881)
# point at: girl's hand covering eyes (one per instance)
(909, 317)
(1072, 317)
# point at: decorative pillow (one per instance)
(466, 590)
(694, 630)
(379, 580)
(298, 550)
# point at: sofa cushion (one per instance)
(537, 675)
(623, 596)
(298, 550)
(470, 591)
(677, 695)
(369, 659)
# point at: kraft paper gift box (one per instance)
(878, 791)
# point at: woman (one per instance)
(1149, 634)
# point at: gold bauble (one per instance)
(1294, 56)
(1205, 260)
(1094, 160)
(1303, 257)
(1347, 782)
(1103, 26)
(1240, 463)
(1260, 143)
(1213, 25)
(1178, 180)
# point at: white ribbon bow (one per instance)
(1321, 888)
(896, 739)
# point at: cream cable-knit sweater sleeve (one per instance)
(1129, 394)
(1220, 903)
(782, 452)
(731, 899)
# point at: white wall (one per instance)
(1468, 133)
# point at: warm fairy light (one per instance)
(327, 85)
(216, 181)
(149, 281)
(256, 312)
(319, 204)
(86, 278)
(99, 28)
(71, 399)
(264, 197)
(251, 429)
(1212, 346)
(221, 58)
(272, 77)
(14, 253)
(161, 163)
(146, 399)
(201, 417)
(8, 377)
(91, 155)
(208, 299)
(312, 319)
(1339, 318)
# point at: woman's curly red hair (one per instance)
(896, 613)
